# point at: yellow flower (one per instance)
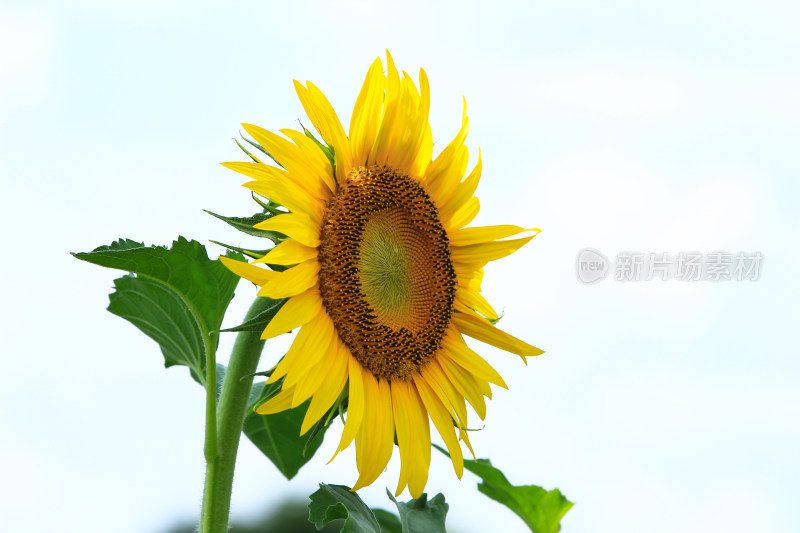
(386, 277)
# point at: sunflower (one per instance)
(385, 277)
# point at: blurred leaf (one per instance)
(542, 510)
(177, 296)
(278, 435)
(421, 515)
(388, 521)
(333, 502)
(245, 225)
(290, 516)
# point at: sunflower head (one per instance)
(385, 278)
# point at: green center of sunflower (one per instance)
(386, 278)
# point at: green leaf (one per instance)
(421, 515)
(388, 521)
(542, 510)
(245, 225)
(334, 502)
(177, 296)
(161, 315)
(278, 435)
(260, 321)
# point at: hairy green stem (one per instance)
(230, 413)
(210, 445)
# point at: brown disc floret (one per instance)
(386, 277)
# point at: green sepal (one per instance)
(245, 225)
(269, 206)
(251, 156)
(261, 148)
(254, 254)
(327, 150)
(494, 321)
(540, 509)
(422, 515)
(334, 502)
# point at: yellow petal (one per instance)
(463, 192)
(446, 171)
(289, 252)
(442, 187)
(367, 113)
(292, 282)
(295, 226)
(258, 275)
(329, 390)
(275, 184)
(489, 251)
(315, 347)
(473, 300)
(473, 363)
(421, 442)
(409, 123)
(402, 426)
(322, 115)
(296, 356)
(462, 435)
(442, 420)
(463, 216)
(482, 330)
(441, 385)
(420, 165)
(469, 276)
(301, 169)
(298, 311)
(374, 445)
(485, 234)
(421, 155)
(315, 157)
(280, 402)
(465, 384)
(325, 365)
(390, 126)
(355, 404)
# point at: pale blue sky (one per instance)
(657, 407)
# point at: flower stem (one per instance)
(230, 413)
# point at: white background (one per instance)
(659, 406)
